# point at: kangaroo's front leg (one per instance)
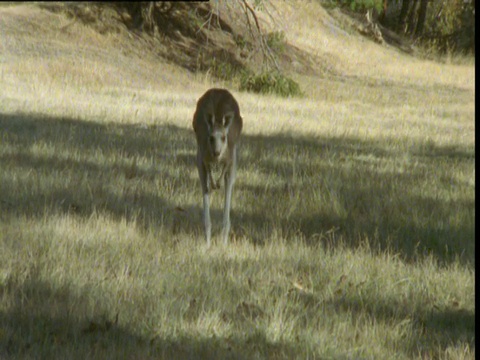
(214, 184)
(206, 218)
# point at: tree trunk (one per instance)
(381, 16)
(402, 20)
(422, 14)
(148, 17)
(412, 17)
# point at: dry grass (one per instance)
(353, 213)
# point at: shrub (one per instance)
(276, 40)
(270, 83)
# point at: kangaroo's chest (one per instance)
(217, 166)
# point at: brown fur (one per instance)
(217, 145)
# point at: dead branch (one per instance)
(266, 51)
(383, 35)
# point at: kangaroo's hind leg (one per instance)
(204, 174)
(229, 175)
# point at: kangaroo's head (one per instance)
(218, 133)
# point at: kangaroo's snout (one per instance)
(217, 143)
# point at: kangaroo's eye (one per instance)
(212, 139)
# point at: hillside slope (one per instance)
(51, 60)
(30, 32)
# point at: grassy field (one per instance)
(353, 219)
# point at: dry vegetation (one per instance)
(353, 213)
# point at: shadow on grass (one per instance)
(426, 332)
(360, 197)
(412, 206)
(64, 173)
(380, 206)
(52, 323)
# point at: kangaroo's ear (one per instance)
(210, 120)
(228, 119)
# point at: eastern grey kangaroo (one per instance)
(217, 124)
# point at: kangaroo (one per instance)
(217, 124)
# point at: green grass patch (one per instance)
(276, 41)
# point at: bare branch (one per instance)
(266, 51)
